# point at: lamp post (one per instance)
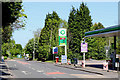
(34, 49)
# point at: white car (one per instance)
(26, 58)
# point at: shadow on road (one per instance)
(4, 73)
(12, 68)
(3, 70)
(100, 66)
(95, 66)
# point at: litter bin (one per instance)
(57, 59)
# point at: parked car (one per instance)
(26, 58)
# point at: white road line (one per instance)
(32, 68)
(39, 71)
(24, 72)
(15, 65)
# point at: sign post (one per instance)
(83, 49)
(63, 39)
(64, 59)
(55, 51)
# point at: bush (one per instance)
(5, 57)
(11, 57)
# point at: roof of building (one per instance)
(105, 32)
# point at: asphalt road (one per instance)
(34, 69)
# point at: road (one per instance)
(34, 69)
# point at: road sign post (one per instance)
(83, 49)
(55, 51)
(63, 59)
(63, 38)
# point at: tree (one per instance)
(118, 46)
(49, 35)
(29, 47)
(12, 18)
(96, 45)
(79, 22)
(11, 48)
(19, 46)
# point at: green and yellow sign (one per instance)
(62, 37)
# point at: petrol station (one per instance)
(113, 31)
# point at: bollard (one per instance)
(57, 59)
(83, 65)
(105, 66)
(69, 62)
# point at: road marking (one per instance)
(15, 65)
(29, 64)
(22, 62)
(12, 60)
(32, 68)
(29, 67)
(24, 72)
(39, 71)
(55, 73)
(87, 75)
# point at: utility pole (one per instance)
(34, 50)
(0, 30)
(66, 50)
(84, 54)
(83, 49)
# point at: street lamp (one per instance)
(34, 50)
(33, 47)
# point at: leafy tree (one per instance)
(70, 33)
(9, 48)
(96, 45)
(79, 22)
(49, 34)
(12, 18)
(29, 47)
(118, 45)
(19, 46)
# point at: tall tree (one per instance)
(79, 22)
(70, 31)
(12, 18)
(49, 34)
(29, 47)
(96, 45)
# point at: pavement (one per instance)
(4, 71)
(92, 67)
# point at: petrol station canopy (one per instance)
(105, 32)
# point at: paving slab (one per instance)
(4, 71)
(106, 74)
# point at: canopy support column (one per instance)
(114, 55)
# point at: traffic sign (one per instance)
(64, 58)
(62, 37)
(55, 50)
(83, 47)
